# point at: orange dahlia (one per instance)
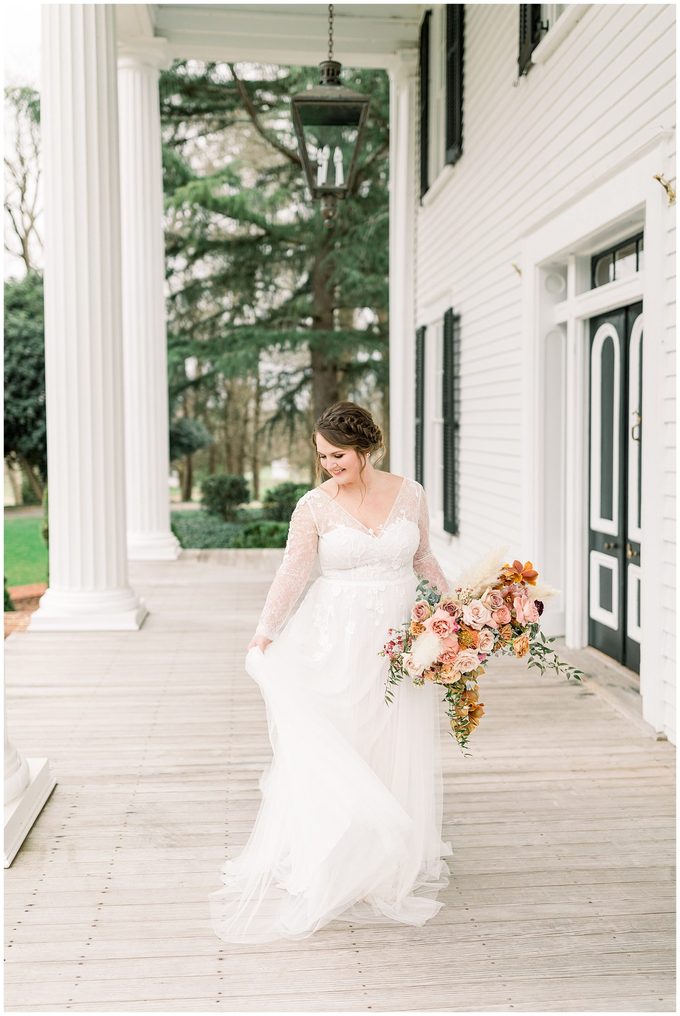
(468, 638)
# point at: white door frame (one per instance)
(556, 306)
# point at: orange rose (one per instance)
(520, 646)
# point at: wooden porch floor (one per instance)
(562, 826)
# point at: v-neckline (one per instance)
(382, 525)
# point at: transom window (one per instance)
(549, 15)
(617, 262)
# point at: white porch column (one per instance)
(144, 334)
(403, 83)
(83, 344)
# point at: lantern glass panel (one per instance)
(330, 136)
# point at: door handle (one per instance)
(610, 546)
(635, 429)
(630, 553)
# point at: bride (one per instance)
(350, 820)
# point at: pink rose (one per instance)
(450, 653)
(519, 604)
(485, 643)
(441, 624)
(476, 614)
(467, 660)
(493, 599)
(530, 611)
(420, 610)
(450, 607)
(502, 615)
(410, 666)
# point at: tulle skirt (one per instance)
(349, 824)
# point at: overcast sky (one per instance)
(21, 32)
(21, 66)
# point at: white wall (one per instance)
(531, 146)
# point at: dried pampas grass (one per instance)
(484, 573)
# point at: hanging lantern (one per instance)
(329, 122)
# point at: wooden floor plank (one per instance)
(562, 824)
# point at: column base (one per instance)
(21, 813)
(112, 610)
(153, 547)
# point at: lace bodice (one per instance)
(323, 532)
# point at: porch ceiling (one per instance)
(366, 35)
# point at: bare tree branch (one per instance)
(253, 114)
(22, 169)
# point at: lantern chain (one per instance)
(330, 31)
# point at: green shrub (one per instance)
(262, 534)
(250, 514)
(45, 529)
(188, 436)
(28, 495)
(202, 530)
(279, 501)
(222, 493)
(8, 599)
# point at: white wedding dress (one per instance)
(350, 821)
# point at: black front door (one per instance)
(615, 439)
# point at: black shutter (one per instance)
(420, 400)
(424, 79)
(529, 34)
(450, 413)
(455, 32)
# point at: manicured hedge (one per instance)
(203, 530)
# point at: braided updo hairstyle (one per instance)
(347, 425)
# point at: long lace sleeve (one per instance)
(293, 572)
(425, 564)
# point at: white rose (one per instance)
(476, 614)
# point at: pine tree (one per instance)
(251, 267)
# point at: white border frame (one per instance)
(637, 335)
(610, 618)
(597, 522)
(618, 203)
(633, 579)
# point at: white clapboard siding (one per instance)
(529, 147)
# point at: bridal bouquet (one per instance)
(450, 638)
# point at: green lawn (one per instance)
(25, 551)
